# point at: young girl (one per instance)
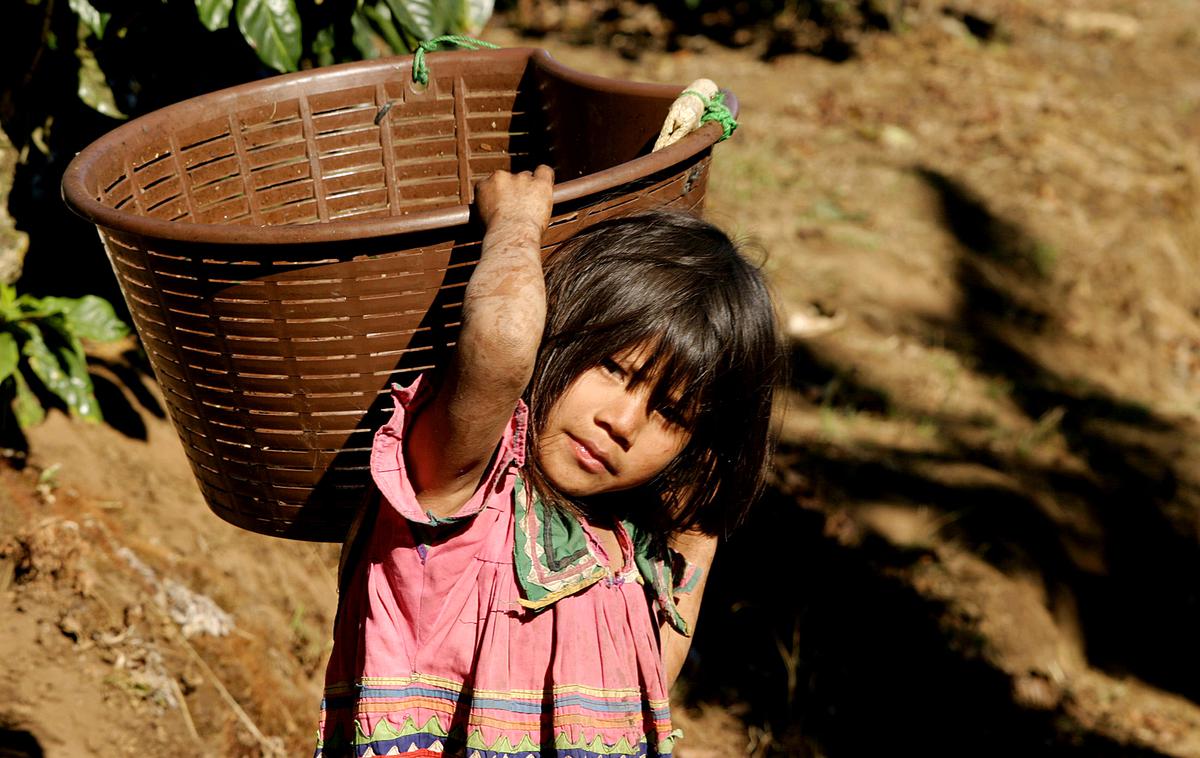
(517, 593)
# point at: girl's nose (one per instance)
(621, 416)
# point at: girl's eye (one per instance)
(612, 367)
(672, 415)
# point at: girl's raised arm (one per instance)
(452, 438)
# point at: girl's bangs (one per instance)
(679, 368)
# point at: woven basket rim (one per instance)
(82, 202)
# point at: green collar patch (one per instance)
(555, 556)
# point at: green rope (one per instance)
(421, 71)
(716, 110)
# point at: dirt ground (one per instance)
(984, 533)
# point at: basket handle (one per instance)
(700, 103)
(420, 72)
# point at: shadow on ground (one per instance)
(838, 658)
(18, 743)
(847, 660)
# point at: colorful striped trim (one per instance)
(421, 744)
(456, 685)
(444, 692)
(520, 714)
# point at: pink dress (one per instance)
(498, 632)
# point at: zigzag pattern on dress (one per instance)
(432, 740)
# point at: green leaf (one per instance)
(214, 14)
(71, 356)
(93, 86)
(272, 27)
(63, 370)
(94, 19)
(9, 355)
(26, 304)
(89, 317)
(41, 360)
(363, 37)
(8, 303)
(82, 402)
(322, 46)
(382, 17)
(26, 407)
(424, 19)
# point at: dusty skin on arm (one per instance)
(504, 310)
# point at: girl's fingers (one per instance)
(525, 195)
(542, 173)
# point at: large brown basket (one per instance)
(290, 247)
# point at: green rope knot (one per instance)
(421, 71)
(716, 110)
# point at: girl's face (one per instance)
(601, 436)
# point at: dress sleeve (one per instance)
(391, 475)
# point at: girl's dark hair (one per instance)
(679, 284)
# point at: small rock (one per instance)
(45, 633)
(70, 627)
(813, 323)
(1036, 690)
(897, 137)
(1116, 25)
(954, 27)
(190, 681)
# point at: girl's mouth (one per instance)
(587, 459)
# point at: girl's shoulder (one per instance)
(389, 468)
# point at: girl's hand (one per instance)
(517, 199)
